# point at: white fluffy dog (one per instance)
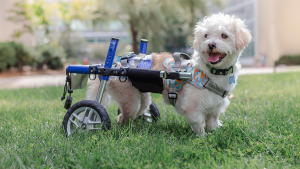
(219, 42)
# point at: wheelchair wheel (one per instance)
(86, 115)
(151, 115)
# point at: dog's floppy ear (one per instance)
(196, 40)
(242, 34)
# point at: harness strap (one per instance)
(172, 95)
(137, 59)
(124, 60)
(177, 60)
(173, 91)
(180, 65)
(198, 86)
(210, 86)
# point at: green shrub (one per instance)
(7, 56)
(22, 55)
(49, 55)
(289, 60)
(17, 55)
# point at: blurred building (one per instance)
(7, 28)
(274, 24)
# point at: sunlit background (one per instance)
(40, 35)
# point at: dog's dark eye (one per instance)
(224, 36)
(206, 35)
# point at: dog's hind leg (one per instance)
(129, 108)
(127, 97)
(145, 103)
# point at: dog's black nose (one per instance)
(211, 46)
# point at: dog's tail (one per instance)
(158, 60)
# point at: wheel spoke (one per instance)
(77, 117)
(94, 122)
(90, 114)
(74, 123)
(72, 131)
(85, 114)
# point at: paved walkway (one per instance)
(59, 80)
(32, 81)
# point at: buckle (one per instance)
(172, 95)
(225, 94)
(171, 75)
(205, 82)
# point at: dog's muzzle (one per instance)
(215, 57)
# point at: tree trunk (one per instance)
(134, 34)
(20, 66)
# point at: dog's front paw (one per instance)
(220, 123)
(201, 135)
(199, 129)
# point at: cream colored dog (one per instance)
(219, 42)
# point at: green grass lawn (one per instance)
(261, 129)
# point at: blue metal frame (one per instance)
(83, 69)
(110, 55)
(143, 46)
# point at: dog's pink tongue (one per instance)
(213, 57)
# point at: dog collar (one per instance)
(220, 71)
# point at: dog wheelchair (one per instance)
(91, 115)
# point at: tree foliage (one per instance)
(161, 22)
(166, 24)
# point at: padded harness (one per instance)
(199, 79)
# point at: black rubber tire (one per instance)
(106, 124)
(153, 110)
